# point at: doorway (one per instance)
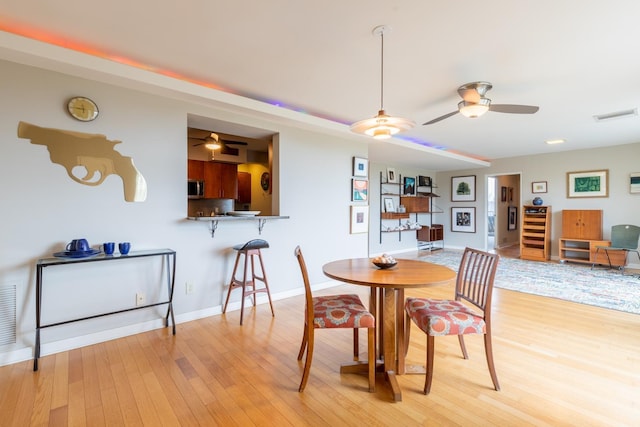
(502, 200)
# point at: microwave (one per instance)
(195, 189)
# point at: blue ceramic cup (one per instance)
(124, 247)
(78, 245)
(109, 247)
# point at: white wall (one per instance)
(43, 209)
(619, 208)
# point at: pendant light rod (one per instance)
(382, 126)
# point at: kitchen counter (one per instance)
(262, 219)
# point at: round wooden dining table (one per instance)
(387, 303)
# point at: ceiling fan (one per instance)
(474, 104)
(213, 142)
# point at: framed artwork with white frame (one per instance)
(463, 188)
(359, 190)
(512, 213)
(463, 220)
(588, 184)
(359, 219)
(388, 205)
(360, 167)
(391, 176)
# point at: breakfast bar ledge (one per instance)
(213, 220)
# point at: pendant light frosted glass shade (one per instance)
(382, 126)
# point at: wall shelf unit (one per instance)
(417, 205)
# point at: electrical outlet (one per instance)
(188, 288)
(140, 298)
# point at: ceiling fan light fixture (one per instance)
(382, 126)
(213, 142)
(474, 109)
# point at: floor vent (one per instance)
(7, 314)
(616, 115)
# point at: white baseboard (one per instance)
(26, 353)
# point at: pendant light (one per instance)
(382, 126)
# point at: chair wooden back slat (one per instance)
(474, 282)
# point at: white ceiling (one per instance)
(572, 59)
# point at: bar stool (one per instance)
(249, 250)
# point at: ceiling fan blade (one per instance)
(436, 120)
(513, 109)
(235, 142)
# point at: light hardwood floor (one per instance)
(558, 363)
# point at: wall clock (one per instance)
(82, 109)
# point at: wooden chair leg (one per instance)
(303, 345)
(244, 287)
(266, 284)
(407, 332)
(492, 369)
(371, 353)
(429, 366)
(232, 286)
(463, 347)
(307, 363)
(356, 344)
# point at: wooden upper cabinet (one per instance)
(582, 224)
(220, 180)
(195, 169)
(244, 187)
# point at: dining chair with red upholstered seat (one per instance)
(474, 285)
(330, 312)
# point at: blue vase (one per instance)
(537, 201)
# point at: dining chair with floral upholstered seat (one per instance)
(436, 317)
(331, 312)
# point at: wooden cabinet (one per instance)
(584, 250)
(195, 169)
(417, 204)
(582, 224)
(220, 180)
(535, 238)
(244, 187)
(581, 235)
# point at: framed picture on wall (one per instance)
(634, 182)
(463, 220)
(512, 213)
(539, 187)
(424, 181)
(409, 186)
(360, 167)
(588, 184)
(391, 175)
(503, 194)
(388, 205)
(359, 190)
(463, 188)
(359, 219)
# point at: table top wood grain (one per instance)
(406, 274)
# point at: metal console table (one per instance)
(169, 256)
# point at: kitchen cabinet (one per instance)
(244, 187)
(195, 169)
(220, 180)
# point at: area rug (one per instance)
(569, 281)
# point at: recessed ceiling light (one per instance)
(554, 141)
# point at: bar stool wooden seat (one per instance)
(248, 281)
